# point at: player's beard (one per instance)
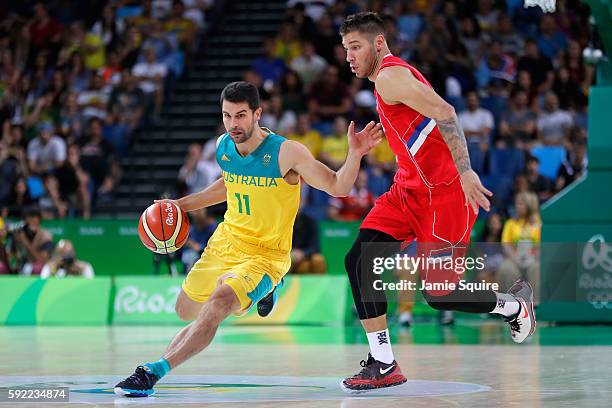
(246, 134)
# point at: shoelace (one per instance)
(365, 371)
(139, 378)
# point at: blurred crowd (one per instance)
(75, 90)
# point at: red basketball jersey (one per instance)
(423, 158)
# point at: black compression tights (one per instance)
(371, 303)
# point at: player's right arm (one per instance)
(213, 194)
(397, 84)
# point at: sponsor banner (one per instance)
(67, 301)
(302, 300)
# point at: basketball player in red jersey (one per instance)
(434, 200)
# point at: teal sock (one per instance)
(159, 368)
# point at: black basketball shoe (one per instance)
(139, 384)
(267, 303)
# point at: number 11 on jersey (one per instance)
(247, 206)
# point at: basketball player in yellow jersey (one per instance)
(248, 254)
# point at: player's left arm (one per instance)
(295, 156)
(398, 85)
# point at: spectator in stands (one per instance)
(309, 65)
(98, 160)
(51, 204)
(127, 102)
(182, 27)
(574, 166)
(166, 47)
(195, 10)
(328, 96)
(78, 75)
(269, 66)
(72, 119)
(567, 90)
(109, 28)
(580, 72)
(74, 181)
(43, 32)
(334, 147)
(495, 65)
(306, 135)
(469, 35)
(197, 173)
(286, 44)
(551, 41)
(292, 92)
(302, 23)
(33, 244)
(477, 122)
(305, 254)
(487, 15)
(93, 100)
(90, 45)
(326, 37)
(151, 76)
(539, 66)
(111, 72)
(512, 43)
(553, 123)
(64, 263)
(517, 126)
(46, 152)
(409, 22)
(275, 118)
(520, 239)
(538, 184)
(202, 227)
(20, 197)
(354, 206)
(129, 50)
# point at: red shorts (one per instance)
(438, 218)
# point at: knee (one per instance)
(184, 313)
(223, 301)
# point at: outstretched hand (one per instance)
(475, 193)
(362, 142)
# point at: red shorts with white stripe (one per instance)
(439, 220)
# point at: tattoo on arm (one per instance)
(455, 139)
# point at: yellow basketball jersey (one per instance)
(261, 205)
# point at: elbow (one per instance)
(339, 192)
(445, 112)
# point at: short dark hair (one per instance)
(241, 91)
(365, 22)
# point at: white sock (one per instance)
(380, 346)
(506, 305)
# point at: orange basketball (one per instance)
(163, 227)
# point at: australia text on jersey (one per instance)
(257, 181)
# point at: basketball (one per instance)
(163, 227)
